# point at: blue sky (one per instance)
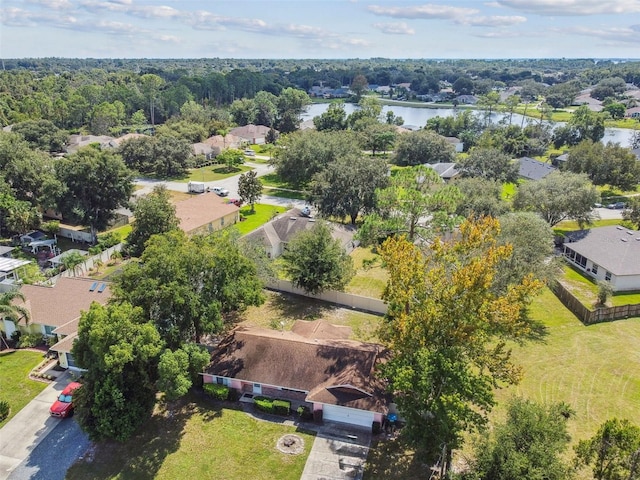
(320, 28)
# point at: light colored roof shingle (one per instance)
(613, 248)
(202, 209)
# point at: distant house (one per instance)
(609, 253)
(116, 142)
(275, 235)
(447, 171)
(219, 142)
(55, 311)
(633, 112)
(466, 99)
(205, 213)
(76, 142)
(205, 149)
(253, 134)
(333, 375)
(456, 142)
(531, 169)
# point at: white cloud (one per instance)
(493, 21)
(613, 34)
(53, 4)
(398, 28)
(428, 11)
(573, 7)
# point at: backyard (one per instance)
(197, 438)
(15, 385)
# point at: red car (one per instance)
(63, 406)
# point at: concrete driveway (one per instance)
(339, 452)
(22, 434)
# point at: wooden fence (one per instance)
(599, 315)
(366, 304)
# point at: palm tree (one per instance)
(8, 309)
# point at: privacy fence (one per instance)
(599, 315)
(358, 302)
(87, 264)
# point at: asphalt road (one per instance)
(53, 456)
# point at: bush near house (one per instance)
(219, 392)
(30, 340)
(275, 406)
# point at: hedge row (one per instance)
(219, 392)
(276, 406)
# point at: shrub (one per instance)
(304, 413)
(15, 336)
(219, 392)
(282, 407)
(234, 395)
(4, 409)
(31, 340)
(263, 404)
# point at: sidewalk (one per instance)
(28, 428)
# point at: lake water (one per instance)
(418, 117)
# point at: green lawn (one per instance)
(211, 173)
(278, 192)
(370, 278)
(508, 191)
(571, 225)
(199, 439)
(273, 180)
(594, 369)
(252, 220)
(15, 385)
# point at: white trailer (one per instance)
(197, 187)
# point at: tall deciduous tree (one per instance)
(335, 118)
(154, 214)
(558, 196)
(250, 188)
(314, 261)
(489, 163)
(119, 351)
(632, 212)
(608, 164)
(529, 444)
(423, 146)
(416, 203)
(188, 286)
(97, 183)
(359, 85)
(347, 187)
(291, 104)
(447, 331)
(613, 452)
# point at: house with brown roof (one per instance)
(277, 233)
(335, 376)
(55, 311)
(206, 212)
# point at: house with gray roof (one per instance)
(277, 233)
(447, 171)
(609, 253)
(532, 169)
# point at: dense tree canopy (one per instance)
(423, 146)
(97, 183)
(154, 214)
(314, 261)
(558, 196)
(490, 164)
(119, 350)
(608, 164)
(347, 187)
(447, 330)
(187, 286)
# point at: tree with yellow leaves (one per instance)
(448, 331)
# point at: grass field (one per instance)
(211, 173)
(252, 220)
(15, 385)
(370, 278)
(594, 369)
(279, 192)
(199, 439)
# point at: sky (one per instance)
(320, 29)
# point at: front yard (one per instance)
(15, 385)
(199, 438)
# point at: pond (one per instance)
(418, 117)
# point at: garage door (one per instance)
(335, 413)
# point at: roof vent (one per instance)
(620, 228)
(292, 218)
(629, 232)
(623, 239)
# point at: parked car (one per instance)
(236, 201)
(223, 192)
(63, 406)
(306, 211)
(249, 153)
(617, 205)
